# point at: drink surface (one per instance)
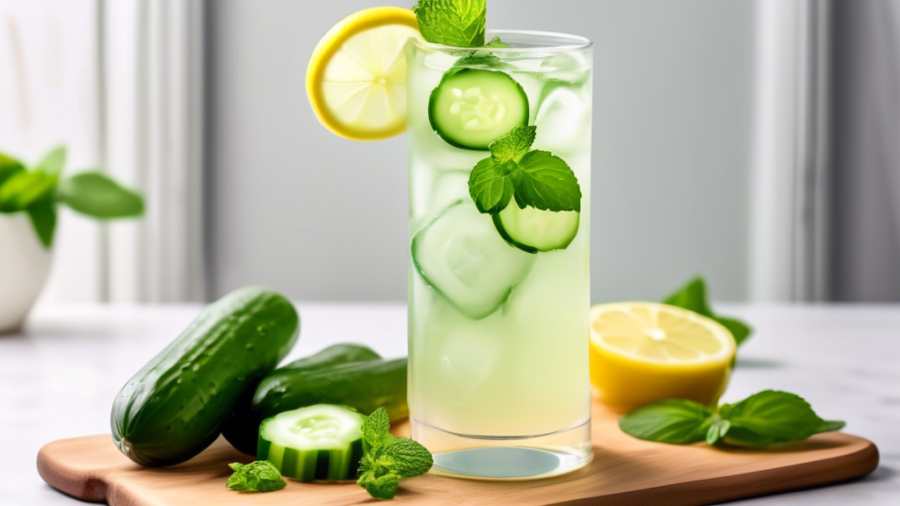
(501, 349)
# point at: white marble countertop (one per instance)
(57, 380)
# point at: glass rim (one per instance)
(569, 42)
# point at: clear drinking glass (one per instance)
(498, 337)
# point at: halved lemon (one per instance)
(644, 351)
(356, 78)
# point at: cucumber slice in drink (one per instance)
(460, 255)
(320, 442)
(534, 230)
(471, 108)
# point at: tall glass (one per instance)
(498, 336)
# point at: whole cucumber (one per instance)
(363, 386)
(173, 408)
(236, 424)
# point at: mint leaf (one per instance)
(773, 416)
(376, 430)
(513, 145)
(692, 297)
(259, 476)
(671, 421)
(380, 487)
(547, 183)
(387, 459)
(43, 217)
(9, 167)
(94, 194)
(54, 161)
(406, 458)
(457, 23)
(496, 42)
(24, 189)
(490, 185)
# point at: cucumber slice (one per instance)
(534, 230)
(471, 108)
(460, 255)
(320, 442)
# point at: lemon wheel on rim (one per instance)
(356, 78)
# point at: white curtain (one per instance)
(120, 83)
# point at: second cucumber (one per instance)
(363, 386)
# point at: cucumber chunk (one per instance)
(460, 255)
(534, 230)
(320, 442)
(471, 108)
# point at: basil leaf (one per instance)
(9, 167)
(717, 431)
(54, 161)
(490, 185)
(43, 217)
(24, 189)
(692, 297)
(773, 416)
(96, 195)
(671, 421)
(546, 182)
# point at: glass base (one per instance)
(506, 457)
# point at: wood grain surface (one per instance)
(625, 471)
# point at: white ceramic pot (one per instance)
(24, 266)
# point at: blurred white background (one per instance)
(752, 142)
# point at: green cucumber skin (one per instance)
(363, 386)
(237, 425)
(343, 353)
(173, 408)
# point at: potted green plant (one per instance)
(28, 202)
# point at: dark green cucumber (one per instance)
(173, 408)
(236, 425)
(336, 354)
(363, 386)
(319, 442)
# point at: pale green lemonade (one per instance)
(498, 334)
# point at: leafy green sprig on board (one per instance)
(388, 459)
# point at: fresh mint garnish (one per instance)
(536, 178)
(546, 182)
(513, 145)
(762, 419)
(692, 297)
(259, 476)
(457, 23)
(496, 42)
(388, 459)
(491, 186)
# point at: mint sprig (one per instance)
(259, 476)
(535, 178)
(388, 459)
(692, 297)
(765, 418)
(457, 23)
(497, 42)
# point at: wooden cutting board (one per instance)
(625, 471)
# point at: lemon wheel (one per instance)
(643, 352)
(356, 78)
